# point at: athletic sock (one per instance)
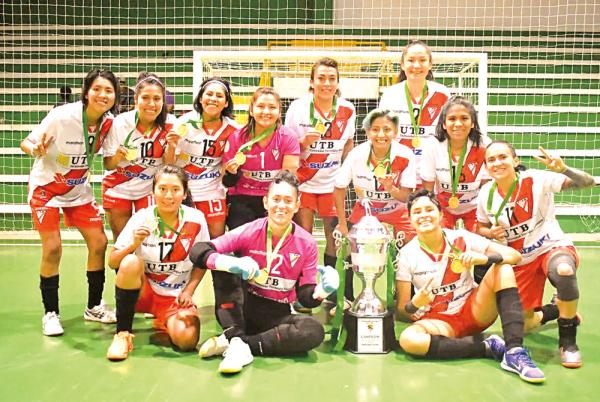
(125, 300)
(329, 260)
(95, 287)
(567, 331)
(549, 313)
(442, 347)
(49, 289)
(510, 311)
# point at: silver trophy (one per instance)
(370, 326)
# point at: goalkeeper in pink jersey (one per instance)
(279, 262)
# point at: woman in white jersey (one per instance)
(416, 98)
(448, 309)
(453, 163)
(204, 134)
(517, 207)
(155, 274)
(64, 146)
(324, 123)
(141, 140)
(383, 174)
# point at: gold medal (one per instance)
(320, 128)
(416, 142)
(457, 266)
(151, 224)
(380, 171)
(182, 130)
(240, 158)
(63, 160)
(132, 153)
(184, 157)
(453, 202)
(263, 276)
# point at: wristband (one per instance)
(410, 307)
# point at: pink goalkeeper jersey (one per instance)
(295, 262)
(60, 178)
(262, 164)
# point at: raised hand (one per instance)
(554, 163)
(424, 296)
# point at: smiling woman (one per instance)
(64, 145)
(141, 140)
(453, 162)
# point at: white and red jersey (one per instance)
(394, 99)
(417, 265)
(358, 169)
(262, 164)
(200, 154)
(132, 180)
(294, 264)
(60, 178)
(166, 259)
(321, 161)
(435, 167)
(528, 218)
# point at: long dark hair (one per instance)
(228, 110)
(440, 132)
(402, 76)
(520, 167)
(250, 126)
(328, 62)
(89, 80)
(144, 79)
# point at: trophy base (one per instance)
(369, 334)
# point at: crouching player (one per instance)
(279, 260)
(449, 310)
(154, 272)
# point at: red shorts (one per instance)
(323, 204)
(469, 219)
(398, 219)
(213, 210)
(463, 322)
(109, 202)
(531, 277)
(162, 307)
(47, 219)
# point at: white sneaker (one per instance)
(51, 324)
(236, 356)
(214, 346)
(100, 313)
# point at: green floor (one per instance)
(73, 367)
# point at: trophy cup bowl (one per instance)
(370, 326)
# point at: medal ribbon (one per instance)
(504, 201)
(314, 118)
(455, 174)
(416, 124)
(385, 162)
(162, 224)
(197, 124)
(135, 124)
(271, 253)
(246, 146)
(90, 149)
(455, 250)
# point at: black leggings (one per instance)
(229, 299)
(271, 329)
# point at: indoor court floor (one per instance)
(73, 367)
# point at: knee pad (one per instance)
(307, 333)
(566, 285)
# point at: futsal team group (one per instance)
(480, 232)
